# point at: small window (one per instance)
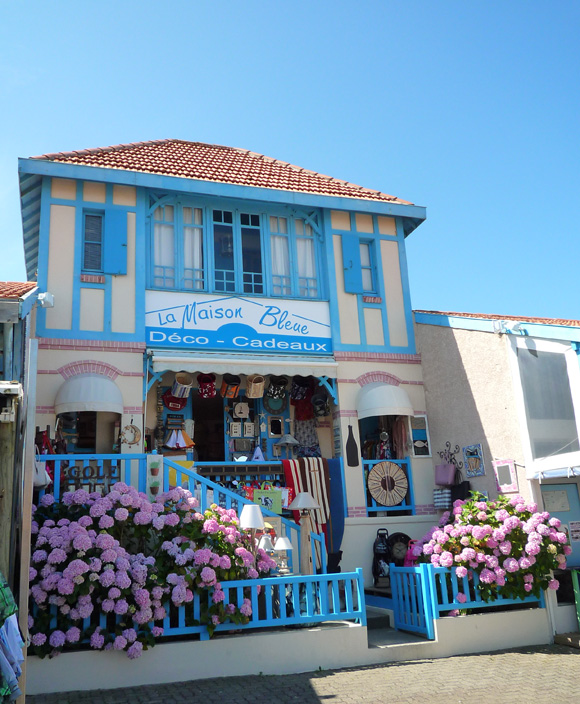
(367, 267)
(420, 436)
(93, 243)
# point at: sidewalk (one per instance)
(542, 674)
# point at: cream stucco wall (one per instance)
(470, 397)
(61, 265)
(123, 287)
(398, 336)
(92, 313)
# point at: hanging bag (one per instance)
(255, 386)
(206, 384)
(230, 386)
(277, 388)
(41, 476)
(461, 488)
(445, 474)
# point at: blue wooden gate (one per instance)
(412, 599)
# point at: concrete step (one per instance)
(570, 639)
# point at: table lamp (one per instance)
(283, 544)
(251, 519)
(305, 502)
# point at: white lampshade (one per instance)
(303, 502)
(251, 517)
(266, 543)
(283, 543)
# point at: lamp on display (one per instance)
(266, 543)
(305, 502)
(251, 519)
(282, 545)
(288, 441)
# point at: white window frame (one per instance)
(534, 467)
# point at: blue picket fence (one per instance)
(424, 593)
(100, 472)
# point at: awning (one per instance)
(379, 399)
(243, 364)
(88, 392)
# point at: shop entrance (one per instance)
(209, 427)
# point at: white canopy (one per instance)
(380, 399)
(88, 392)
(244, 364)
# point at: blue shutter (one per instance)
(115, 252)
(352, 266)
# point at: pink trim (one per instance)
(385, 378)
(91, 366)
(132, 409)
(46, 343)
(357, 512)
(425, 510)
(413, 383)
(377, 357)
(345, 414)
(92, 279)
(45, 409)
(372, 299)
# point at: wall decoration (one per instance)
(473, 456)
(505, 475)
(249, 430)
(236, 430)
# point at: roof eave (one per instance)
(414, 213)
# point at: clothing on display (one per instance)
(11, 644)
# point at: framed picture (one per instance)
(473, 457)
(505, 475)
(275, 426)
(249, 430)
(235, 430)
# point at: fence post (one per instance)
(429, 597)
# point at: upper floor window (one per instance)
(93, 243)
(231, 251)
(550, 385)
(367, 267)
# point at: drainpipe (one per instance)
(8, 343)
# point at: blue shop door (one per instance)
(565, 498)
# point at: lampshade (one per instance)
(251, 517)
(287, 440)
(283, 543)
(266, 543)
(303, 501)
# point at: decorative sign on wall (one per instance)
(473, 457)
(230, 323)
(505, 475)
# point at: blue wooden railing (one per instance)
(408, 503)
(424, 593)
(102, 471)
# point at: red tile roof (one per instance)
(493, 316)
(16, 289)
(211, 162)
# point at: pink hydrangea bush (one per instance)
(511, 546)
(127, 558)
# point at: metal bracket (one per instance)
(329, 385)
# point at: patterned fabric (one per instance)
(305, 433)
(311, 474)
(7, 602)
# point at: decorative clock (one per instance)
(388, 483)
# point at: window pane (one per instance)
(273, 224)
(193, 258)
(187, 216)
(163, 256)
(197, 216)
(550, 414)
(92, 256)
(252, 260)
(299, 225)
(365, 254)
(305, 251)
(224, 257)
(367, 280)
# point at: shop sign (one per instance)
(237, 324)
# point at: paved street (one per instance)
(542, 675)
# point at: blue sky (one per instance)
(470, 109)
